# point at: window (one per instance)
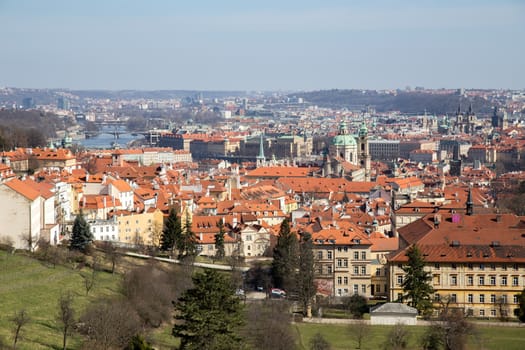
(345, 249)
(492, 280)
(454, 266)
(470, 298)
(248, 237)
(504, 267)
(493, 267)
(503, 280)
(453, 298)
(453, 280)
(339, 280)
(482, 298)
(320, 255)
(329, 269)
(470, 280)
(436, 279)
(515, 281)
(493, 298)
(516, 299)
(436, 266)
(363, 288)
(339, 263)
(504, 299)
(339, 249)
(437, 297)
(481, 280)
(363, 270)
(470, 266)
(345, 280)
(378, 288)
(363, 255)
(329, 254)
(356, 288)
(493, 313)
(339, 291)
(482, 312)
(345, 262)
(399, 279)
(378, 271)
(356, 255)
(482, 266)
(515, 267)
(356, 270)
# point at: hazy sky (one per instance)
(262, 44)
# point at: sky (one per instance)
(262, 44)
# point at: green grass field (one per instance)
(28, 284)
(339, 336)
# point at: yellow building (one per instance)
(140, 229)
(342, 262)
(477, 261)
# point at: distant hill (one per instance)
(405, 102)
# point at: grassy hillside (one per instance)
(27, 284)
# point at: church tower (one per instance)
(364, 154)
(261, 159)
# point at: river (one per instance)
(104, 139)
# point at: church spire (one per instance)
(261, 158)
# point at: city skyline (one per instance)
(238, 45)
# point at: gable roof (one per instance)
(23, 189)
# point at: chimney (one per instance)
(498, 218)
(200, 236)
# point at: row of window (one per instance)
(329, 254)
(481, 280)
(481, 298)
(344, 291)
(94, 229)
(481, 266)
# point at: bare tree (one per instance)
(109, 324)
(503, 309)
(397, 338)
(269, 318)
(359, 331)
(318, 342)
(89, 278)
(450, 331)
(111, 253)
(66, 317)
(20, 319)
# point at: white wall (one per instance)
(393, 320)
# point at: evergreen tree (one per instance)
(189, 240)
(219, 242)
(520, 311)
(305, 278)
(81, 236)
(171, 232)
(416, 284)
(210, 314)
(284, 265)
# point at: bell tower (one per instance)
(364, 154)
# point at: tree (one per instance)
(109, 324)
(450, 331)
(189, 240)
(138, 343)
(208, 314)
(397, 338)
(305, 277)
(268, 326)
(20, 319)
(318, 342)
(284, 263)
(359, 331)
(520, 311)
(416, 284)
(66, 317)
(356, 304)
(172, 232)
(112, 254)
(81, 236)
(219, 242)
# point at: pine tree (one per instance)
(305, 278)
(81, 236)
(189, 240)
(210, 313)
(284, 265)
(171, 233)
(416, 284)
(219, 242)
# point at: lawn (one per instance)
(28, 284)
(339, 336)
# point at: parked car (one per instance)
(277, 293)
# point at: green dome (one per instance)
(344, 140)
(363, 130)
